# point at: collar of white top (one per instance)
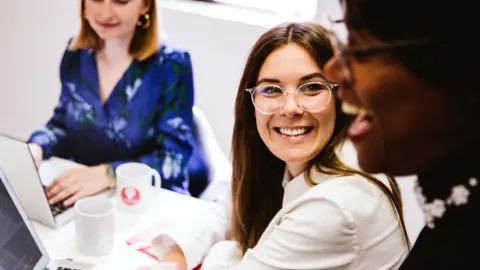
(294, 188)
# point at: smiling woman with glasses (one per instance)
(295, 204)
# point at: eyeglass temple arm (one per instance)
(332, 86)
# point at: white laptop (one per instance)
(19, 166)
(20, 247)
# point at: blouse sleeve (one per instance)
(51, 136)
(174, 140)
(197, 235)
(316, 234)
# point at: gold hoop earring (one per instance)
(144, 25)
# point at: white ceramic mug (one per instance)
(94, 226)
(134, 190)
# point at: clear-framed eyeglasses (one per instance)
(311, 97)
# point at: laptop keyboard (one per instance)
(57, 208)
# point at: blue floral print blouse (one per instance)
(147, 118)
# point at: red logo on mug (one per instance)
(130, 195)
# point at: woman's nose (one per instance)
(106, 10)
(291, 108)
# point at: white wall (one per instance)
(34, 34)
(219, 49)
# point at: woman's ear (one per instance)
(147, 6)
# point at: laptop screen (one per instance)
(18, 249)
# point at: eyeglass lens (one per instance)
(310, 97)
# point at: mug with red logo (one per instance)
(134, 189)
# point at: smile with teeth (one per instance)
(351, 109)
(294, 132)
(362, 123)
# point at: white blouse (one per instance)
(341, 223)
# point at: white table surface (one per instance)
(169, 206)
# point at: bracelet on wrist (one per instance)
(111, 176)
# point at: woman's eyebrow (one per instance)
(302, 79)
(313, 76)
(268, 80)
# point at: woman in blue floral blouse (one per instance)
(124, 98)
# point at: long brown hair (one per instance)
(257, 191)
(145, 42)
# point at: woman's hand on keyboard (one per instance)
(77, 183)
